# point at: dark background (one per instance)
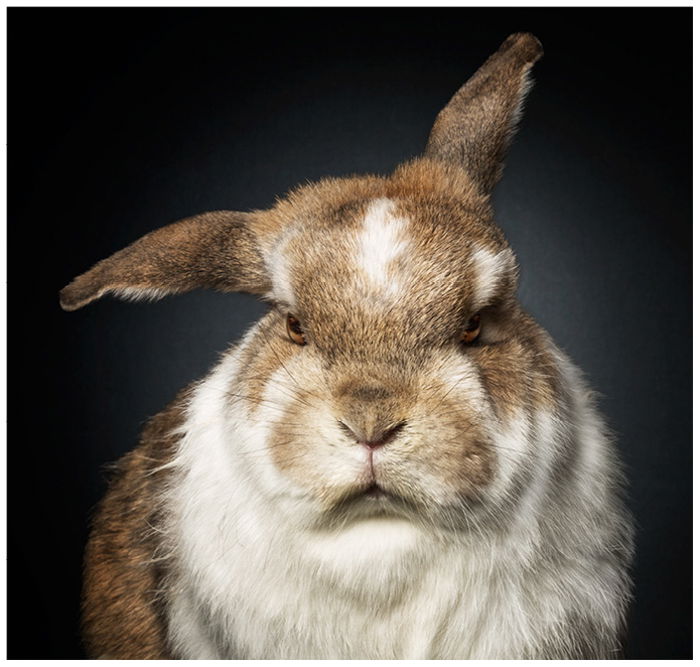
(123, 120)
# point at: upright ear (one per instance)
(216, 250)
(475, 128)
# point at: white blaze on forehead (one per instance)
(382, 240)
(488, 268)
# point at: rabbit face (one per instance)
(396, 372)
(376, 404)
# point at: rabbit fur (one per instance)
(370, 485)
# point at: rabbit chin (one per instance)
(366, 547)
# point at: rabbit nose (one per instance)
(376, 438)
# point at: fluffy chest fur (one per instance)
(411, 606)
(324, 600)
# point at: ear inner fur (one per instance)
(476, 126)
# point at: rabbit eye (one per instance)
(472, 330)
(294, 331)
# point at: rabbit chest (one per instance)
(375, 591)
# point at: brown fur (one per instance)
(122, 597)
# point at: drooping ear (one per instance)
(216, 250)
(475, 128)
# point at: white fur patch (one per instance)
(137, 293)
(277, 266)
(488, 268)
(371, 543)
(512, 444)
(381, 241)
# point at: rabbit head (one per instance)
(395, 372)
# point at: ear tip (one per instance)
(68, 299)
(525, 45)
(65, 301)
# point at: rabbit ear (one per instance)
(476, 126)
(216, 250)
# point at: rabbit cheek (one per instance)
(453, 457)
(518, 376)
(265, 382)
(307, 449)
(454, 460)
(303, 443)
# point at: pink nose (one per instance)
(375, 439)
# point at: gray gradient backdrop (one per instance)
(124, 120)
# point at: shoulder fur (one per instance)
(123, 616)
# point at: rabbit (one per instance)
(395, 462)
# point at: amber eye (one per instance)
(296, 335)
(472, 330)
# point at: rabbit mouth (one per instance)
(372, 491)
(372, 499)
(375, 492)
